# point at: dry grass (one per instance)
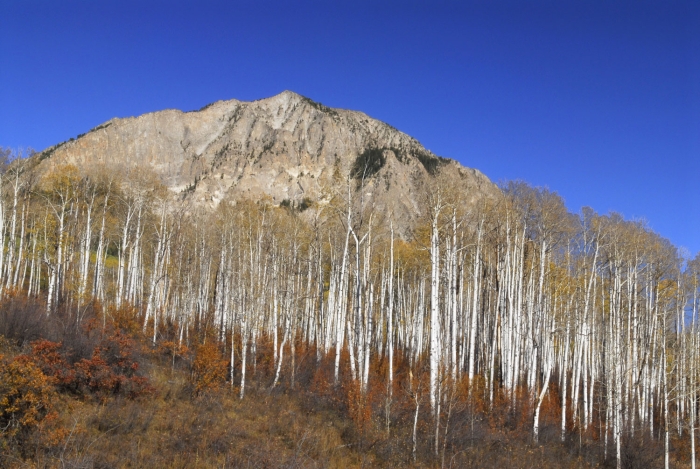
(313, 424)
(174, 429)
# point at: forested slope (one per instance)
(509, 320)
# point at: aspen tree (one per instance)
(5, 154)
(132, 207)
(475, 302)
(16, 187)
(89, 194)
(99, 269)
(390, 326)
(435, 209)
(60, 196)
(518, 292)
(341, 296)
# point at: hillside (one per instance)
(504, 333)
(184, 419)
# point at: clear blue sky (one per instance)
(598, 100)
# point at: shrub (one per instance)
(209, 368)
(112, 369)
(26, 397)
(48, 357)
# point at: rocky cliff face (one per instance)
(288, 148)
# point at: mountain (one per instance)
(289, 148)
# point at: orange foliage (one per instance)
(48, 357)
(26, 397)
(209, 368)
(125, 319)
(359, 405)
(322, 381)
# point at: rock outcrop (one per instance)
(288, 148)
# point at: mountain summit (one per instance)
(286, 147)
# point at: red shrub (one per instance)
(112, 368)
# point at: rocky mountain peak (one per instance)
(286, 147)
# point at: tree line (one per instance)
(513, 297)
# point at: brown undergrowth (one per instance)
(92, 391)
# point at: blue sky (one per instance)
(598, 100)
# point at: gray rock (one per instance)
(286, 147)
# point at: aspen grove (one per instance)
(513, 299)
